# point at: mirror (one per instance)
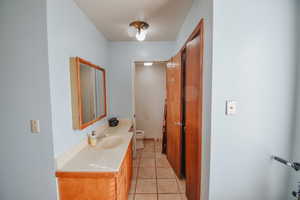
(88, 93)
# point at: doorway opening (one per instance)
(153, 176)
(149, 97)
(168, 99)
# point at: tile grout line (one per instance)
(176, 180)
(137, 177)
(137, 173)
(156, 177)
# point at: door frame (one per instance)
(199, 29)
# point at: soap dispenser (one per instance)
(92, 139)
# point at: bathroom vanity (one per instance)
(100, 172)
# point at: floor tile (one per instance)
(147, 162)
(165, 173)
(169, 197)
(167, 186)
(137, 155)
(158, 141)
(130, 197)
(148, 155)
(135, 162)
(132, 187)
(149, 165)
(160, 155)
(146, 186)
(162, 162)
(158, 144)
(145, 197)
(146, 172)
(181, 184)
(158, 148)
(149, 142)
(134, 172)
(149, 148)
(183, 197)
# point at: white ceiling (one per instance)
(112, 17)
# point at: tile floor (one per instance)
(153, 178)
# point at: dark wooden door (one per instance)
(193, 115)
(174, 113)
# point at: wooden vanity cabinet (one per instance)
(124, 176)
(97, 185)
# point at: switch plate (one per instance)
(35, 126)
(230, 107)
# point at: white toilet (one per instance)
(139, 135)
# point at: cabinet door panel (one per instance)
(88, 188)
(124, 176)
(129, 167)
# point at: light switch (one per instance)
(230, 107)
(35, 126)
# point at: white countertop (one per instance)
(99, 159)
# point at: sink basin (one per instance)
(110, 142)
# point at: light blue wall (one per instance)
(295, 176)
(26, 159)
(202, 9)
(70, 33)
(121, 56)
(254, 63)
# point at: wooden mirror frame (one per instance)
(77, 108)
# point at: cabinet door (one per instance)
(87, 188)
(121, 185)
(124, 176)
(129, 167)
(174, 113)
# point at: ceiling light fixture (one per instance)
(138, 29)
(148, 63)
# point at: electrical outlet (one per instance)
(35, 126)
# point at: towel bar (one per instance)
(294, 165)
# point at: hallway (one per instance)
(218, 82)
(153, 178)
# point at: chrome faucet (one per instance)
(297, 194)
